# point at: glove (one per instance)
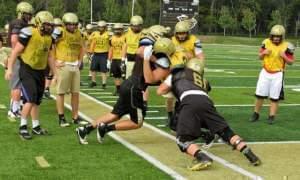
(148, 52)
(108, 64)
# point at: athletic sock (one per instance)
(23, 122)
(35, 123)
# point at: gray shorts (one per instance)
(15, 82)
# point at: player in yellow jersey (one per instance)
(48, 74)
(69, 50)
(99, 48)
(87, 36)
(117, 54)
(133, 36)
(33, 48)
(191, 47)
(275, 53)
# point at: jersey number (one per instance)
(198, 80)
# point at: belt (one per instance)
(192, 92)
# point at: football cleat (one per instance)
(13, 115)
(63, 123)
(47, 94)
(254, 117)
(201, 163)
(39, 131)
(24, 134)
(101, 131)
(271, 120)
(81, 134)
(92, 84)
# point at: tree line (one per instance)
(227, 17)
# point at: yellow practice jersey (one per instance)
(178, 58)
(188, 45)
(117, 43)
(37, 48)
(132, 41)
(99, 42)
(68, 46)
(88, 40)
(274, 62)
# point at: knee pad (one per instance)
(184, 142)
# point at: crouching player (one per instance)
(197, 111)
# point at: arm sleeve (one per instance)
(25, 35)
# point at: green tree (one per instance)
(225, 20)
(56, 8)
(111, 11)
(84, 11)
(276, 18)
(249, 20)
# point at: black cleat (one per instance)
(47, 94)
(92, 84)
(81, 134)
(80, 121)
(201, 162)
(253, 159)
(103, 86)
(39, 131)
(101, 131)
(24, 134)
(254, 117)
(271, 120)
(63, 123)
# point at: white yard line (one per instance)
(107, 97)
(234, 105)
(110, 101)
(150, 118)
(216, 158)
(95, 93)
(153, 111)
(135, 149)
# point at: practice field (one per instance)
(232, 72)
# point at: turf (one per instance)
(67, 159)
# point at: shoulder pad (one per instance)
(26, 32)
(163, 62)
(146, 42)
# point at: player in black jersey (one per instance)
(196, 110)
(152, 65)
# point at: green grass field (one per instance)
(232, 72)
